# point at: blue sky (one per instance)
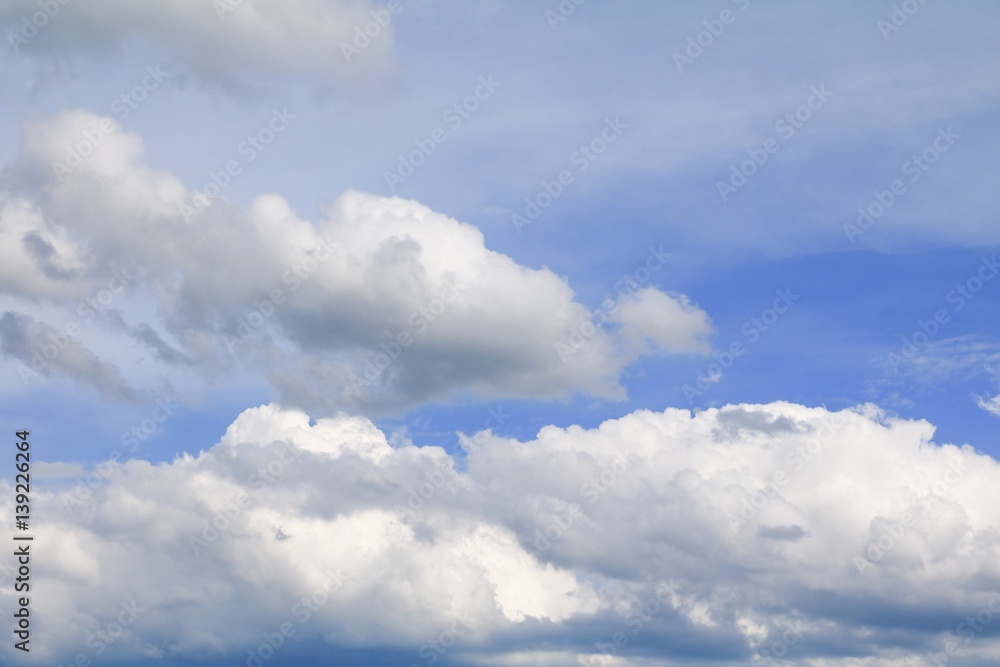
(754, 213)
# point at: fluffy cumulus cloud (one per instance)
(763, 533)
(380, 303)
(223, 41)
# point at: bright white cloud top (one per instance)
(718, 523)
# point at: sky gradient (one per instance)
(503, 325)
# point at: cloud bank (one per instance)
(750, 532)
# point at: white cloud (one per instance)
(670, 323)
(381, 303)
(989, 403)
(949, 360)
(677, 515)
